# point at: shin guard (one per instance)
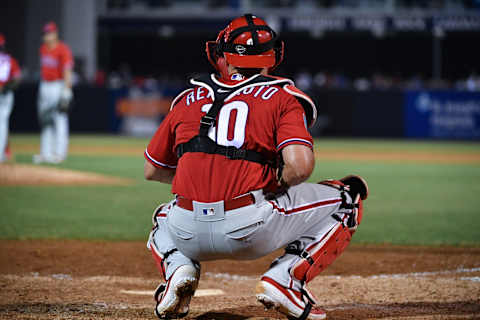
(160, 259)
(160, 212)
(319, 255)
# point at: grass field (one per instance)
(411, 203)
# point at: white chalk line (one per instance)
(426, 274)
(236, 277)
(428, 317)
(474, 279)
(229, 276)
(198, 293)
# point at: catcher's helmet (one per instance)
(247, 42)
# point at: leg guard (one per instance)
(164, 251)
(319, 255)
(160, 212)
(160, 260)
(168, 261)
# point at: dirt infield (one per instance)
(113, 280)
(22, 174)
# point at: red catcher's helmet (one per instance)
(2, 40)
(247, 42)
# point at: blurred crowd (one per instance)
(296, 4)
(170, 84)
(166, 85)
(380, 81)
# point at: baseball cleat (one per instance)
(38, 159)
(292, 303)
(173, 298)
(56, 160)
(357, 185)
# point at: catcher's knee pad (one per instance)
(354, 185)
(161, 211)
(158, 212)
(357, 189)
(319, 255)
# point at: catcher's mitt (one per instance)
(65, 100)
(45, 117)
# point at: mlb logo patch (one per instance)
(237, 77)
(209, 212)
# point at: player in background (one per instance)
(9, 79)
(54, 96)
(237, 152)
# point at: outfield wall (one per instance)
(92, 110)
(346, 113)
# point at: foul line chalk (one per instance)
(376, 276)
(198, 293)
(209, 292)
(430, 317)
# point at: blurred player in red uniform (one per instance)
(9, 79)
(54, 97)
(237, 152)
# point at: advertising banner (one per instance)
(442, 114)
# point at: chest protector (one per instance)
(220, 94)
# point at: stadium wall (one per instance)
(91, 110)
(343, 113)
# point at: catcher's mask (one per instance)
(247, 42)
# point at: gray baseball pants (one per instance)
(54, 135)
(6, 105)
(302, 214)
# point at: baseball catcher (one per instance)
(236, 149)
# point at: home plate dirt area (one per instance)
(115, 280)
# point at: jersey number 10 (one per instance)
(224, 122)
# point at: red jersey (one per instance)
(263, 118)
(9, 69)
(54, 61)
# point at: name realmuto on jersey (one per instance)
(264, 92)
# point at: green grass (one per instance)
(415, 204)
(393, 145)
(410, 203)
